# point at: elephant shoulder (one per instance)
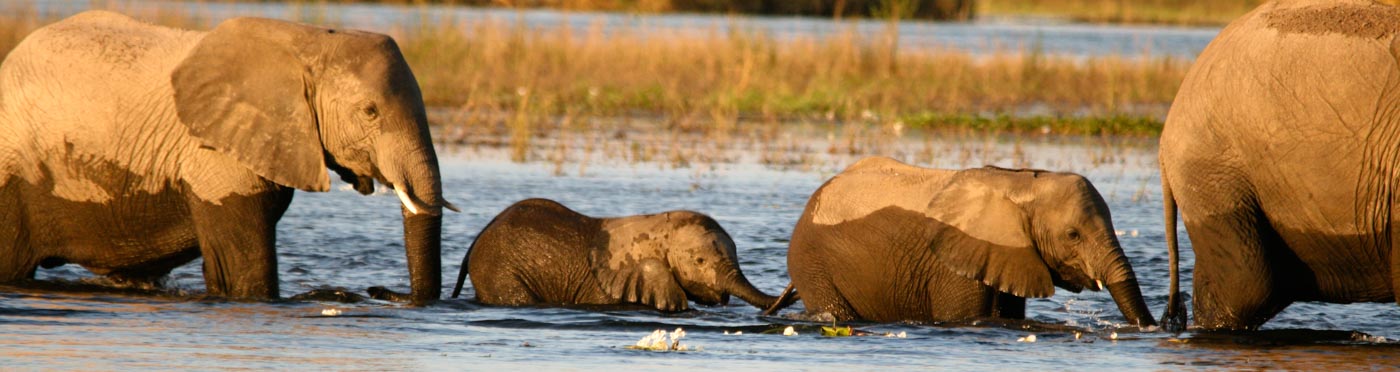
(98, 35)
(873, 184)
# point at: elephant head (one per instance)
(1027, 231)
(290, 100)
(697, 254)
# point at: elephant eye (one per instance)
(1072, 235)
(368, 111)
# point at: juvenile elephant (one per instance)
(538, 251)
(131, 149)
(1282, 151)
(886, 241)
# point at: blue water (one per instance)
(340, 238)
(755, 185)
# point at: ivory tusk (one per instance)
(449, 206)
(1099, 283)
(407, 202)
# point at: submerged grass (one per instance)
(1075, 125)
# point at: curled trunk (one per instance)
(740, 287)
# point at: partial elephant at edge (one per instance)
(1281, 152)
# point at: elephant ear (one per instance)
(648, 281)
(986, 238)
(244, 92)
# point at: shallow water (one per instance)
(982, 36)
(340, 238)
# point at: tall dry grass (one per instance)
(699, 76)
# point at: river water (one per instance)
(982, 36)
(755, 189)
(342, 239)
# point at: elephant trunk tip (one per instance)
(1130, 302)
(785, 299)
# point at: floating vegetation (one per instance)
(835, 331)
(330, 312)
(659, 340)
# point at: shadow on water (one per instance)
(1295, 349)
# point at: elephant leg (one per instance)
(1395, 253)
(820, 296)
(149, 275)
(1236, 283)
(1008, 306)
(17, 260)
(500, 288)
(237, 238)
(955, 298)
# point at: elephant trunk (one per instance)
(740, 287)
(409, 165)
(1123, 286)
(422, 244)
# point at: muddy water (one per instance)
(342, 239)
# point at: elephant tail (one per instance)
(1174, 318)
(462, 274)
(787, 298)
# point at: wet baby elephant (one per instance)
(539, 252)
(885, 241)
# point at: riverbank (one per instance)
(715, 81)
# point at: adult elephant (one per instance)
(1282, 151)
(539, 252)
(886, 241)
(131, 149)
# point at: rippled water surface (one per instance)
(342, 239)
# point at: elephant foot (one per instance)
(384, 294)
(341, 295)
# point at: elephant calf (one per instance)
(538, 251)
(886, 241)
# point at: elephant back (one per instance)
(534, 238)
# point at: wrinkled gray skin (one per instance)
(539, 252)
(1282, 151)
(131, 149)
(885, 241)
